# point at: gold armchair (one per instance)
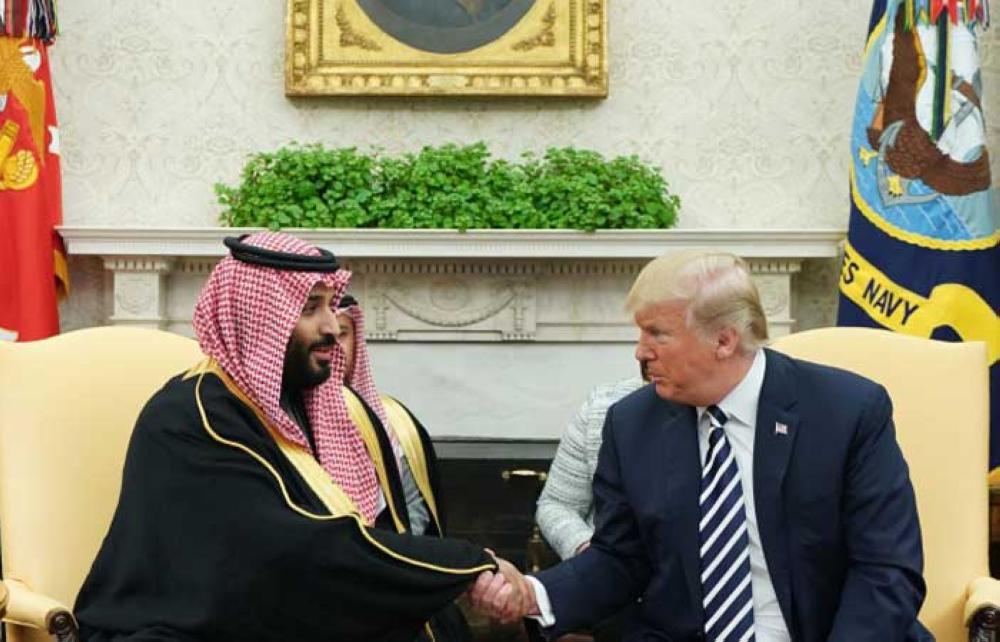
(941, 409)
(67, 407)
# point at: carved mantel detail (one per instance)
(450, 287)
(448, 300)
(139, 289)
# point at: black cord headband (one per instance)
(347, 301)
(254, 255)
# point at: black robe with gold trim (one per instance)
(449, 624)
(218, 536)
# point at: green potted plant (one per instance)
(447, 187)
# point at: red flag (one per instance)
(953, 11)
(33, 271)
(936, 7)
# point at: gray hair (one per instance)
(716, 286)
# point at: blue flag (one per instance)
(923, 248)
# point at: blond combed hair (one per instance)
(716, 286)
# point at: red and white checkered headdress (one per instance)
(244, 319)
(362, 379)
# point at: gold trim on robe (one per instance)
(332, 496)
(361, 420)
(409, 439)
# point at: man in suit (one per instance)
(744, 495)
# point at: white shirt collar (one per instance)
(741, 402)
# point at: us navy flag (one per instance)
(922, 255)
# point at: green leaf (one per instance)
(448, 186)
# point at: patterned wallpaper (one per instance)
(745, 104)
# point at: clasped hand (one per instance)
(505, 595)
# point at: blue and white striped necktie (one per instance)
(725, 546)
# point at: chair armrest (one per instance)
(28, 608)
(982, 608)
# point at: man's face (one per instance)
(680, 362)
(310, 349)
(345, 337)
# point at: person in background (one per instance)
(565, 512)
(412, 444)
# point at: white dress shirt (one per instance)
(740, 406)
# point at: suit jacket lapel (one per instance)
(683, 487)
(777, 426)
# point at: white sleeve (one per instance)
(547, 617)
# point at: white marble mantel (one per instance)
(483, 334)
(448, 244)
(439, 285)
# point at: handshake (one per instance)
(505, 595)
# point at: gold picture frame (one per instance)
(446, 48)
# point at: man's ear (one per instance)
(727, 343)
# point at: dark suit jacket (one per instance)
(835, 509)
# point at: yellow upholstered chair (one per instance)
(67, 407)
(940, 398)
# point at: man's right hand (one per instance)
(506, 596)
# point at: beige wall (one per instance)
(745, 104)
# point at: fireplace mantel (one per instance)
(475, 244)
(441, 285)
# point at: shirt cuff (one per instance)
(547, 617)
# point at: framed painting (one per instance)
(446, 47)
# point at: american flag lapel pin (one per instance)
(780, 428)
